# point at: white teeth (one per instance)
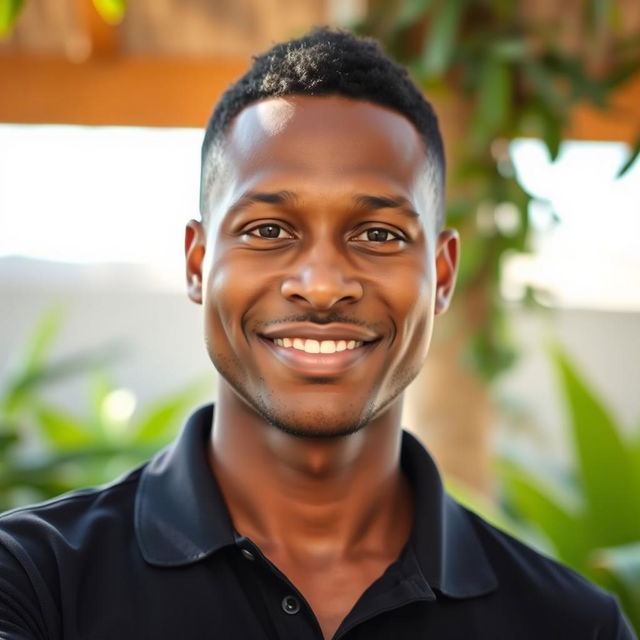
(327, 346)
(312, 346)
(317, 346)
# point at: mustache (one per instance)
(319, 318)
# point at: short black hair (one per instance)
(322, 63)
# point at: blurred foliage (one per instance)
(506, 76)
(589, 514)
(9, 10)
(46, 450)
(111, 11)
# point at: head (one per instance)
(320, 257)
(324, 63)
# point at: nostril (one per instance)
(321, 287)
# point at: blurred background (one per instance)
(530, 400)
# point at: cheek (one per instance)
(410, 292)
(226, 293)
(411, 301)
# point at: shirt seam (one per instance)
(76, 495)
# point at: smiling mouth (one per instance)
(319, 359)
(310, 345)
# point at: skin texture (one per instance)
(322, 226)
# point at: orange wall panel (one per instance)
(113, 91)
(170, 92)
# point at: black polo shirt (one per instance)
(155, 555)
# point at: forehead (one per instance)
(329, 135)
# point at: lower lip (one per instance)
(319, 365)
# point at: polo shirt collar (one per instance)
(450, 555)
(181, 516)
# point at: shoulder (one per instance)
(46, 547)
(547, 588)
(68, 522)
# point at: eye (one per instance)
(270, 231)
(379, 235)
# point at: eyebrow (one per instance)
(363, 201)
(264, 197)
(386, 202)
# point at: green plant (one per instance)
(111, 11)
(590, 515)
(506, 76)
(46, 450)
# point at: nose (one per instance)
(321, 281)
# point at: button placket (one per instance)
(290, 605)
(246, 554)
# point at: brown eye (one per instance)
(270, 231)
(378, 235)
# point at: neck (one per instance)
(311, 497)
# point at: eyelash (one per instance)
(395, 236)
(254, 233)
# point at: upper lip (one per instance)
(331, 331)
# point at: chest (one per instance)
(333, 591)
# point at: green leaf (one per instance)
(475, 501)
(440, 41)
(620, 75)
(633, 156)
(411, 11)
(61, 429)
(605, 462)
(9, 11)
(112, 11)
(551, 132)
(22, 386)
(597, 13)
(494, 99)
(618, 569)
(7, 439)
(40, 343)
(543, 82)
(161, 421)
(538, 503)
(509, 49)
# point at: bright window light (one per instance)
(591, 257)
(97, 194)
(123, 194)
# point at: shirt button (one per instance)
(290, 605)
(247, 554)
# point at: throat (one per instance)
(313, 502)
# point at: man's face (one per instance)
(320, 269)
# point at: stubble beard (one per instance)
(314, 423)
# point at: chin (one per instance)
(314, 422)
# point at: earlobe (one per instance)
(448, 248)
(194, 250)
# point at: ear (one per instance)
(447, 253)
(194, 249)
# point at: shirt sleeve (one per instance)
(20, 611)
(617, 627)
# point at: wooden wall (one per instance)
(169, 60)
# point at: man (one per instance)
(298, 508)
